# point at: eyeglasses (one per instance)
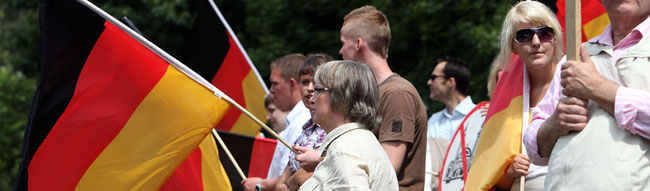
(433, 77)
(544, 34)
(317, 91)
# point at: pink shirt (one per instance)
(631, 106)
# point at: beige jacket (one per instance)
(604, 156)
(353, 160)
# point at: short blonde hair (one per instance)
(371, 25)
(288, 65)
(528, 12)
(353, 91)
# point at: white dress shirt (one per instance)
(297, 117)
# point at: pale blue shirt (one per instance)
(443, 125)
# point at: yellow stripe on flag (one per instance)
(214, 176)
(166, 127)
(254, 95)
(503, 132)
(596, 26)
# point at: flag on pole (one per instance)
(500, 137)
(111, 110)
(253, 154)
(212, 49)
(594, 16)
(201, 170)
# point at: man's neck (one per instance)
(378, 66)
(453, 102)
(623, 25)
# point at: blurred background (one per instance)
(423, 31)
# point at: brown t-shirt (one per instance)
(404, 119)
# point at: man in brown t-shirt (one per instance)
(365, 35)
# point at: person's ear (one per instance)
(360, 42)
(451, 82)
(293, 82)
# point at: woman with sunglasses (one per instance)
(345, 104)
(531, 31)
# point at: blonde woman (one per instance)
(531, 31)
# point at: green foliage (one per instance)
(15, 99)
(423, 31)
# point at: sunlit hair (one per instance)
(495, 68)
(369, 24)
(313, 61)
(531, 12)
(288, 65)
(353, 91)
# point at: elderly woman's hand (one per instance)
(308, 158)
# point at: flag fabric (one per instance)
(500, 137)
(594, 16)
(201, 170)
(212, 49)
(111, 110)
(253, 154)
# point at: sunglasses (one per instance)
(544, 34)
(433, 77)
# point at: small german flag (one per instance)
(111, 110)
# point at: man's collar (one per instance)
(295, 112)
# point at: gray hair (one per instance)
(353, 91)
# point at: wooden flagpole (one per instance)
(227, 151)
(573, 29)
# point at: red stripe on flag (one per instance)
(229, 79)
(116, 77)
(261, 157)
(590, 9)
(501, 99)
(188, 175)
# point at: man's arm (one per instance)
(570, 115)
(396, 150)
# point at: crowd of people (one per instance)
(359, 126)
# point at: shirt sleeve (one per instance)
(632, 111)
(544, 109)
(398, 117)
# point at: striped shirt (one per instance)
(631, 106)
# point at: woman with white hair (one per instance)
(345, 104)
(531, 31)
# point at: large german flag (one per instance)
(500, 138)
(594, 16)
(111, 111)
(212, 49)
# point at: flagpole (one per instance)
(227, 151)
(267, 128)
(180, 66)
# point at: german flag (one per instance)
(111, 111)
(253, 154)
(212, 49)
(594, 16)
(501, 135)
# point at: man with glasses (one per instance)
(449, 84)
